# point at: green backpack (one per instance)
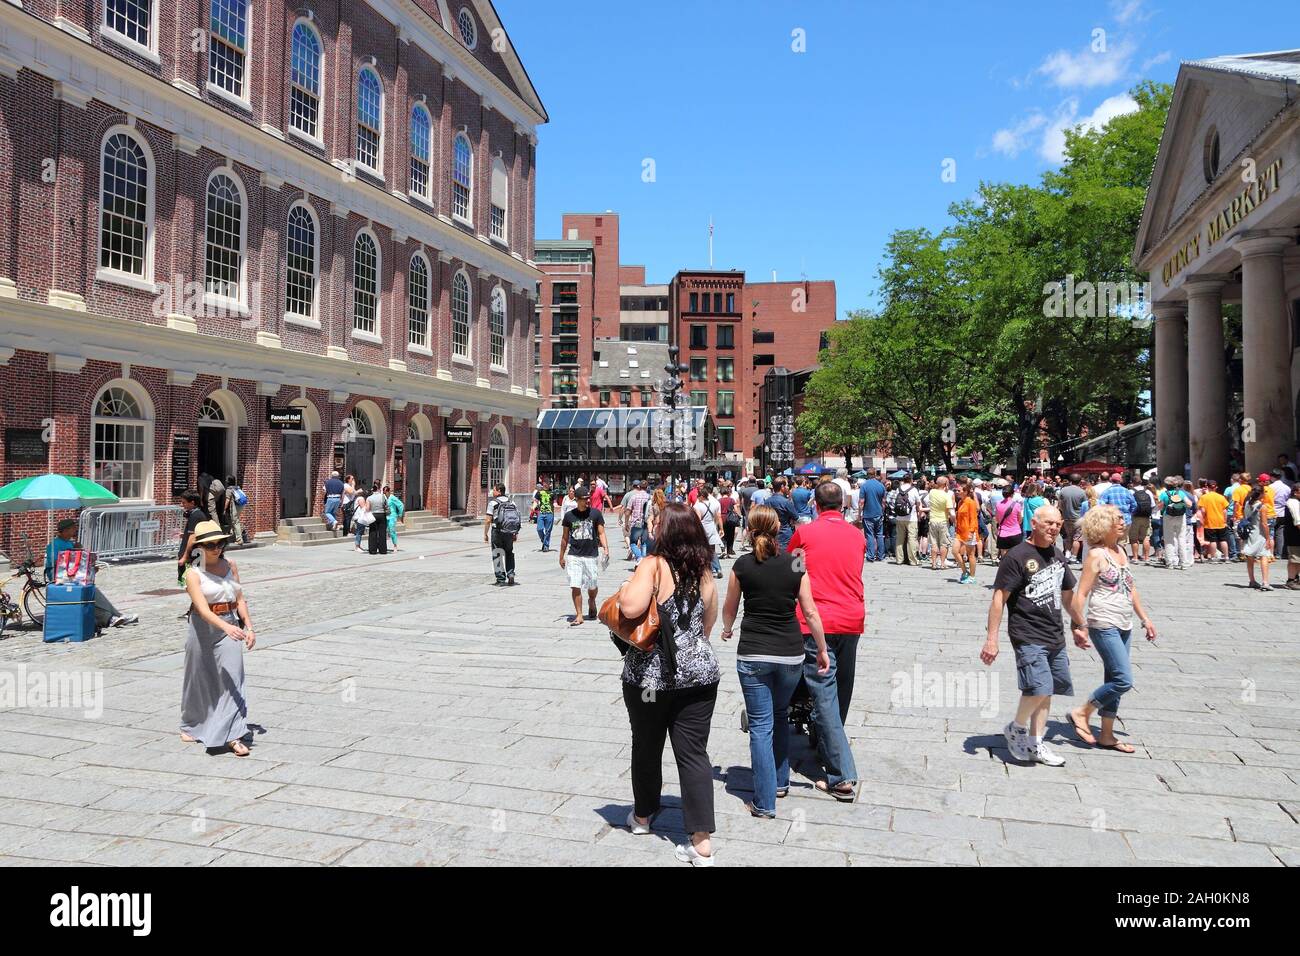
(1176, 507)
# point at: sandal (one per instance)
(1082, 730)
(577, 621)
(842, 791)
(239, 748)
(1119, 746)
(187, 739)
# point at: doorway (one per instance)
(459, 455)
(215, 430)
(361, 461)
(293, 475)
(415, 475)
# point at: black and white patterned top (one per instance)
(696, 665)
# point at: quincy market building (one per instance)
(1220, 225)
(297, 248)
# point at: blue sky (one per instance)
(807, 161)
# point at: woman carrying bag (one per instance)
(362, 519)
(214, 708)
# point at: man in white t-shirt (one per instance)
(846, 489)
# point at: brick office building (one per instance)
(215, 209)
(729, 332)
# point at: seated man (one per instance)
(106, 615)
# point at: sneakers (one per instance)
(639, 829)
(1017, 741)
(965, 578)
(1293, 584)
(687, 853)
(1042, 754)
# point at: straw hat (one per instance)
(208, 532)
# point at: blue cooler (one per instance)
(69, 612)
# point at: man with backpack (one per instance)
(1175, 503)
(1139, 530)
(903, 505)
(503, 520)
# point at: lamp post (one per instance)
(672, 386)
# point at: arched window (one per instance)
(468, 28)
(498, 456)
(462, 179)
(124, 207)
(365, 285)
(121, 443)
(304, 80)
(132, 19)
(417, 298)
(224, 249)
(498, 328)
(210, 413)
(359, 424)
(420, 126)
(500, 199)
(228, 45)
(300, 263)
(370, 119)
(460, 316)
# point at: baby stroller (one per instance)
(799, 715)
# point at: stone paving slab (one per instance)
(431, 719)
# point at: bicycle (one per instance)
(32, 598)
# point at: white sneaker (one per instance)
(687, 853)
(1017, 741)
(1042, 754)
(640, 829)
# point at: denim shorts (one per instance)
(1042, 671)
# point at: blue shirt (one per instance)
(1121, 498)
(801, 498)
(784, 509)
(760, 497)
(52, 554)
(871, 499)
(333, 487)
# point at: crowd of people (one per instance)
(373, 515)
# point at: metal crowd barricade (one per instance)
(123, 532)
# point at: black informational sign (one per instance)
(399, 468)
(26, 446)
(284, 419)
(483, 470)
(340, 457)
(181, 478)
(459, 434)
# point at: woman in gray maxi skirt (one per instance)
(214, 710)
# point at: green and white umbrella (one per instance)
(53, 493)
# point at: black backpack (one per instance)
(506, 517)
(902, 503)
(1143, 504)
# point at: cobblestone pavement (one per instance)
(411, 713)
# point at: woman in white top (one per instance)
(347, 501)
(709, 512)
(361, 519)
(214, 709)
(1107, 591)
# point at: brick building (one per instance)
(215, 209)
(729, 332)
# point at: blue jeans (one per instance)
(768, 689)
(1279, 540)
(873, 529)
(1157, 535)
(1113, 646)
(331, 509)
(716, 564)
(1234, 545)
(545, 522)
(831, 694)
(636, 540)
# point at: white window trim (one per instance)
(503, 240)
(468, 358)
(376, 336)
(427, 195)
(245, 101)
(313, 319)
(299, 134)
(291, 319)
(474, 43)
(420, 350)
(428, 303)
(469, 202)
(505, 330)
(229, 97)
(145, 282)
(383, 98)
(239, 305)
(141, 395)
(124, 41)
(315, 139)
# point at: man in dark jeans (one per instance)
(833, 551)
(503, 545)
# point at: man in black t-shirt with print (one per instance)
(1032, 583)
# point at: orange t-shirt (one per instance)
(1215, 507)
(1239, 496)
(968, 520)
(1267, 497)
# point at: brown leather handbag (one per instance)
(642, 631)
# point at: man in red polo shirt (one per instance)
(833, 552)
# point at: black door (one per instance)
(457, 478)
(212, 452)
(414, 476)
(293, 476)
(361, 461)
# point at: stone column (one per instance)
(1266, 348)
(1171, 388)
(1207, 400)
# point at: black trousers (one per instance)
(503, 556)
(729, 536)
(379, 535)
(347, 511)
(684, 716)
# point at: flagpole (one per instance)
(710, 242)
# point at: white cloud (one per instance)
(1052, 147)
(1127, 11)
(1087, 68)
(1012, 140)
(1159, 58)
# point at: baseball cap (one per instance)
(1117, 477)
(67, 523)
(581, 491)
(1265, 476)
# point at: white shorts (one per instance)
(583, 572)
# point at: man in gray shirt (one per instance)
(1070, 501)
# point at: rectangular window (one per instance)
(228, 25)
(726, 370)
(695, 302)
(731, 302)
(625, 397)
(564, 323)
(764, 360)
(129, 18)
(564, 383)
(645, 395)
(726, 404)
(498, 223)
(564, 293)
(699, 336)
(764, 338)
(704, 303)
(726, 336)
(537, 352)
(119, 463)
(717, 302)
(726, 438)
(564, 353)
(699, 370)
(604, 398)
(699, 399)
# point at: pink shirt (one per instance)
(1008, 514)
